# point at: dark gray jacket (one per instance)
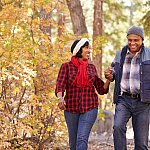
(144, 73)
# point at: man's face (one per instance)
(134, 43)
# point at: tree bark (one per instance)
(61, 19)
(45, 16)
(97, 31)
(77, 17)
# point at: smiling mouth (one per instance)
(133, 46)
(88, 55)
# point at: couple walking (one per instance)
(79, 81)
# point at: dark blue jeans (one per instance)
(125, 109)
(79, 126)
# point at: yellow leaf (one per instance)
(16, 90)
(41, 125)
(44, 64)
(48, 129)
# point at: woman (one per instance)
(79, 79)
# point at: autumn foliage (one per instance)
(30, 56)
(34, 42)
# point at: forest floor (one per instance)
(100, 142)
(105, 142)
(105, 146)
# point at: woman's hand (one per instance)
(61, 103)
(108, 73)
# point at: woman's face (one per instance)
(86, 52)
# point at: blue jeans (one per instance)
(79, 126)
(125, 109)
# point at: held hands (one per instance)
(108, 73)
(62, 103)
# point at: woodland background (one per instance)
(35, 39)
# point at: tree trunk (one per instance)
(45, 16)
(77, 17)
(97, 31)
(61, 19)
(131, 14)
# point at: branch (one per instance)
(20, 102)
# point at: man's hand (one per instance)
(108, 73)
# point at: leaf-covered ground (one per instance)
(98, 145)
(103, 142)
(105, 146)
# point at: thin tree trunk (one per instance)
(61, 19)
(97, 31)
(45, 16)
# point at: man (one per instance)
(131, 72)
